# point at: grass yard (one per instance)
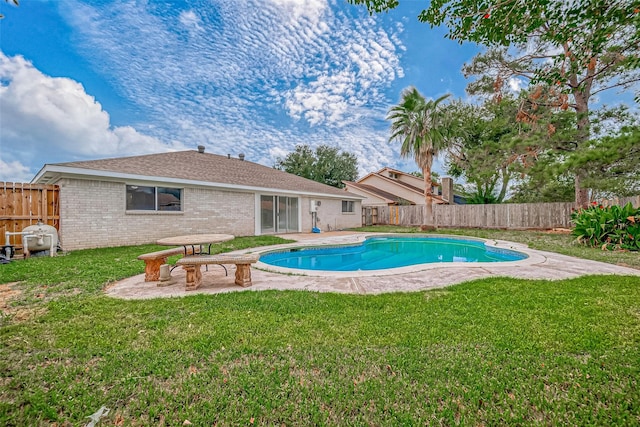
(488, 352)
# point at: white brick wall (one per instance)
(93, 214)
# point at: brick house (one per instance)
(140, 199)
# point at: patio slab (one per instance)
(539, 265)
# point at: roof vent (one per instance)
(241, 156)
(228, 156)
(200, 148)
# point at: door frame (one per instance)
(276, 199)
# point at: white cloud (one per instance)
(515, 84)
(248, 76)
(329, 98)
(311, 9)
(45, 115)
(243, 44)
(14, 172)
(188, 18)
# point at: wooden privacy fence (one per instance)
(539, 216)
(22, 205)
(621, 201)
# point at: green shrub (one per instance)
(611, 228)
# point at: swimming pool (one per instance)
(380, 253)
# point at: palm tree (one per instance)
(418, 124)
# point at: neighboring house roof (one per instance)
(459, 200)
(388, 197)
(391, 180)
(397, 182)
(384, 175)
(436, 197)
(404, 184)
(190, 167)
(398, 172)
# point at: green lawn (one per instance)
(488, 352)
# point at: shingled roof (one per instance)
(388, 197)
(194, 167)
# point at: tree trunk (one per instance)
(505, 183)
(582, 111)
(582, 194)
(428, 199)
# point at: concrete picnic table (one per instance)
(193, 240)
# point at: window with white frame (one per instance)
(143, 198)
(348, 206)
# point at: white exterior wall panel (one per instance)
(330, 215)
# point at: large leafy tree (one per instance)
(543, 182)
(483, 148)
(326, 164)
(543, 145)
(573, 50)
(612, 162)
(419, 125)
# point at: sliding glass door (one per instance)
(278, 214)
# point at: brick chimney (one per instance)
(447, 190)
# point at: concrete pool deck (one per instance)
(539, 265)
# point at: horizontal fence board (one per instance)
(25, 217)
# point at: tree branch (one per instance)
(624, 83)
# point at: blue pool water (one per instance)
(379, 253)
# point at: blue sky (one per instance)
(110, 78)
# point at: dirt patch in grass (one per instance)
(558, 231)
(7, 293)
(19, 313)
(24, 314)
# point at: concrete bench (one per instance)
(153, 261)
(192, 265)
